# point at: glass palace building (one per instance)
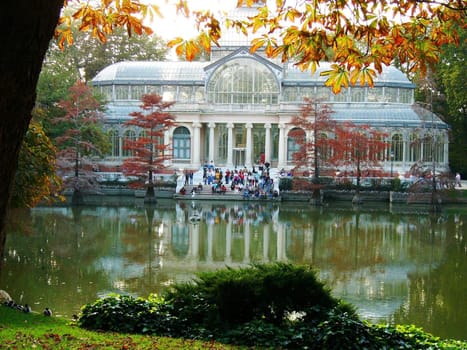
(235, 109)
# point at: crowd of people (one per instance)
(252, 183)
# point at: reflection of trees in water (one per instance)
(438, 295)
(54, 264)
(77, 257)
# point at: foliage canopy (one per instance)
(149, 151)
(82, 137)
(360, 36)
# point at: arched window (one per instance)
(295, 137)
(414, 147)
(397, 148)
(324, 147)
(128, 135)
(439, 149)
(243, 81)
(427, 148)
(181, 143)
(357, 94)
(114, 142)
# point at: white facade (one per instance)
(236, 110)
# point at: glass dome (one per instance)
(243, 80)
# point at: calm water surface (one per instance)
(396, 264)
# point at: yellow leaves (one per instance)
(363, 76)
(190, 49)
(101, 17)
(338, 77)
(352, 33)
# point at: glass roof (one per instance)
(151, 72)
(374, 115)
(390, 76)
(392, 116)
(147, 72)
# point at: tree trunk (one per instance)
(26, 28)
(150, 194)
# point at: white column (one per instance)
(211, 140)
(230, 127)
(249, 145)
(120, 144)
(267, 143)
(167, 157)
(196, 145)
(405, 149)
(281, 161)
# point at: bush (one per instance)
(116, 313)
(285, 184)
(274, 306)
(268, 292)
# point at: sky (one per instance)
(172, 26)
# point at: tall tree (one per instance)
(150, 151)
(36, 179)
(26, 28)
(358, 147)
(81, 139)
(451, 74)
(307, 34)
(313, 125)
(88, 55)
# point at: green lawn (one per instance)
(35, 331)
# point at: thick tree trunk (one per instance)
(26, 28)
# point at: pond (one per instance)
(395, 264)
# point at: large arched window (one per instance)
(181, 143)
(114, 142)
(292, 145)
(324, 147)
(427, 148)
(397, 148)
(243, 81)
(128, 135)
(414, 147)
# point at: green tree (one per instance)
(87, 56)
(451, 74)
(36, 179)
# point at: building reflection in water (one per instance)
(365, 256)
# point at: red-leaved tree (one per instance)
(313, 125)
(82, 137)
(359, 147)
(150, 153)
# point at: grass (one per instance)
(35, 331)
